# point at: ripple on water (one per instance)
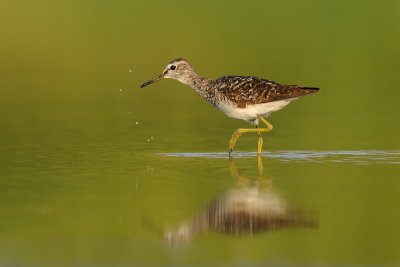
(347, 156)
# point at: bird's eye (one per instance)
(172, 67)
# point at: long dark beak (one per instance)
(152, 81)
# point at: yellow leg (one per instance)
(267, 124)
(236, 135)
(259, 144)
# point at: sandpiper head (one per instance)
(178, 69)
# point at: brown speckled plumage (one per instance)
(245, 90)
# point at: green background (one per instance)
(79, 176)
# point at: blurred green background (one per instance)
(67, 60)
(77, 134)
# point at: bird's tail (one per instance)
(316, 89)
(308, 90)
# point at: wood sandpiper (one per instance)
(241, 97)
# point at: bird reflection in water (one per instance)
(250, 208)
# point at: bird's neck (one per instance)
(201, 86)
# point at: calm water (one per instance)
(95, 171)
(99, 199)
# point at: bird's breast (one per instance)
(251, 111)
(233, 111)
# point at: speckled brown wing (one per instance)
(245, 90)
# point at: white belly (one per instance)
(251, 112)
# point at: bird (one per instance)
(247, 98)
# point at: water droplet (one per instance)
(137, 123)
(148, 140)
(130, 70)
(121, 90)
(152, 137)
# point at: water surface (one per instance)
(95, 201)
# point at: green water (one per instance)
(95, 171)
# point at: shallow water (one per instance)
(353, 156)
(106, 200)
